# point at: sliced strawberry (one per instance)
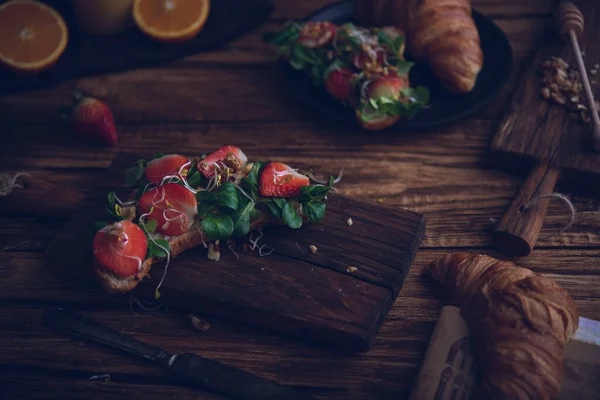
(339, 83)
(280, 180)
(120, 248)
(169, 165)
(172, 206)
(387, 86)
(317, 34)
(207, 166)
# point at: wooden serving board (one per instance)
(538, 136)
(94, 54)
(292, 291)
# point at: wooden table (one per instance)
(236, 96)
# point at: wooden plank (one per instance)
(246, 75)
(500, 8)
(536, 129)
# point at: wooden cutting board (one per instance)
(310, 296)
(540, 137)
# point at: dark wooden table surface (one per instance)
(236, 95)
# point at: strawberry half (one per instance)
(280, 180)
(314, 35)
(120, 248)
(339, 83)
(207, 166)
(386, 86)
(92, 120)
(169, 165)
(172, 206)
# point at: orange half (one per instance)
(32, 36)
(171, 20)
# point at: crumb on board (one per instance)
(351, 269)
(380, 200)
(214, 253)
(198, 323)
(349, 221)
(106, 377)
(313, 248)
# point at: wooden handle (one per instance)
(569, 18)
(518, 230)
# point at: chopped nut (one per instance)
(554, 87)
(198, 323)
(545, 92)
(581, 107)
(380, 200)
(351, 269)
(575, 99)
(557, 98)
(313, 248)
(214, 253)
(349, 221)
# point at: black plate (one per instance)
(444, 106)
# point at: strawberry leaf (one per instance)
(217, 226)
(314, 211)
(290, 216)
(228, 196)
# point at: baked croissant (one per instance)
(520, 324)
(439, 32)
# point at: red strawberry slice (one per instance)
(317, 34)
(207, 166)
(280, 180)
(339, 83)
(387, 86)
(93, 120)
(169, 165)
(172, 206)
(120, 248)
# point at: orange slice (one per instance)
(171, 20)
(32, 36)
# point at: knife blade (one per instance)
(212, 375)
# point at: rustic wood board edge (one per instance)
(345, 335)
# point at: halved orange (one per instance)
(32, 35)
(171, 20)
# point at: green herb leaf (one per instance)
(151, 225)
(398, 44)
(217, 226)
(420, 94)
(373, 103)
(156, 248)
(404, 67)
(157, 155)
(291, 217)
(288, 35)
(314, 211)
(228, 196)
(315, 192)
(206, 202)
(242, 226)
(133, 174)
(195, 179)
(112, 198)
(254, 174)
(280, 202)
(275, 210)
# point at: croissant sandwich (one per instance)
(439, 32)
(520, 323)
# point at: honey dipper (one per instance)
(571, 23)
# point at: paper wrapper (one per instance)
(448, 370)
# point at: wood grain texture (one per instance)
(293, 291)
(445, 174)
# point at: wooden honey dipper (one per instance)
(571, 23)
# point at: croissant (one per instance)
(441, 33)
(520, 324)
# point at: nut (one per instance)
(581, 107)
(351, 269)
(313, 248)
(349, 221)
(545, 92)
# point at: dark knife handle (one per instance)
(78, 326)
(235, 382)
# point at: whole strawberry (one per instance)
(92, 120)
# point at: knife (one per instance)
(221, 378)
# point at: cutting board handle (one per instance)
(518, 230)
